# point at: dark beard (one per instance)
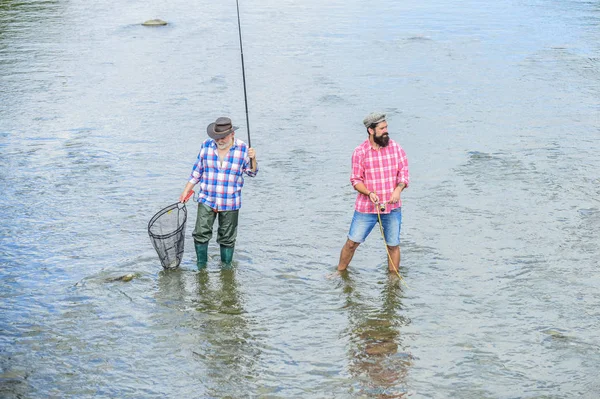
(382, 141)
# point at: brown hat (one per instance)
(220, 128)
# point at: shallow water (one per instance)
(497, 106)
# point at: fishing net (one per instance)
(167, 233)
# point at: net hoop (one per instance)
(162, 212)
(167, 233)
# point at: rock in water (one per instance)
(154, 22)
(126, 277)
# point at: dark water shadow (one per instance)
(226, 346)
(378, 360)
(206, 309)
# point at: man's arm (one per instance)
(253, 161)
(402, 178)
(361, 188)
(185, 192)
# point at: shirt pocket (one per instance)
(235, 167)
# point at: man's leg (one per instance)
(392, 224)
(202, 234)
(361, 226)
(347, 253)
(394, 262)
(227, 234)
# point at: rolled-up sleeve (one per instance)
(247, 169)
(197, 169)
(358, 169)
(403, 175)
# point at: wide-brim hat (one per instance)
(220, 128)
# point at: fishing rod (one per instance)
(243, 74)
(381, 207)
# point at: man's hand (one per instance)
(185, 196)
(374, 197)
(395, 198)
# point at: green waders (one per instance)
(226, 254)
(201, 255)
(226, 233)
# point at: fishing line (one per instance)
(243, 74)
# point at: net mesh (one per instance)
(167, 233)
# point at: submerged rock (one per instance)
(154, 22)
(126, 278)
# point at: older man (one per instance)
(219, 168)
(379, 174)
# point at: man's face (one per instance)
(224, 142)
(380, 134)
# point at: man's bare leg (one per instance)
(395, 255)
(347, 253)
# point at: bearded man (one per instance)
(379, 174)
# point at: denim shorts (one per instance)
(363, 223)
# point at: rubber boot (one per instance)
(201, 255)
(226, 255)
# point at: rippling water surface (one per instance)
(497, 105)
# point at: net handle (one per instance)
(187, 197)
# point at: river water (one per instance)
(497, 105)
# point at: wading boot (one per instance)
(226, 255)
(201, 255)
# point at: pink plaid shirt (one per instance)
(381, 171)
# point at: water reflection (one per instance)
(223, 346)
(378, 361)
(227, 348)
(223, 297)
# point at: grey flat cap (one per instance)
(373, 117)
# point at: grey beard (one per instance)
(223, 146)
